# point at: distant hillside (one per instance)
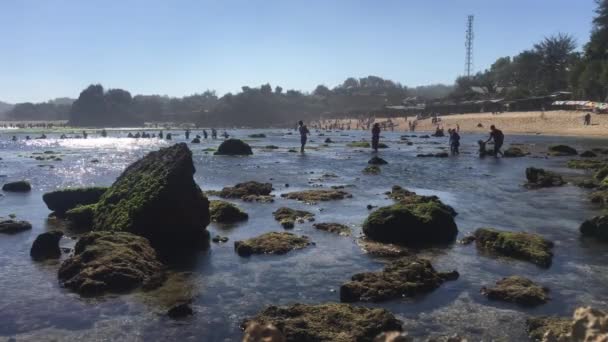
(4, 108)
(62, 101)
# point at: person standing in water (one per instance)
(303, 135)
(454, 141)
(498, 137)
(205, 134)
(375, 136)
(187, 134)
(213, 133)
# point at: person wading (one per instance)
(303, 135)
(498, 137)
(375, 136)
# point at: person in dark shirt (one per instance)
(454, 141)
(303, 134)
(498, 137)
(375, 136)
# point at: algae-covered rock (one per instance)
(111, 262)
(588, 154)
(233, 147)
(82, 216)
(405, 277)
(156, 197)
(537, 327)
(10, 226)
(586, 164)
(359, 144)
(514, 152)
(377, 161)
(405, 196)
(562, 150)
(335, 228)
(63, 200)
(383, 250)
(46, 246)
(518, 245)
(248, 191)
(226, 212)
(314, 196)
(327, 322)
(519, 290)
(601, 174)
(288, 217)
(19, 186)
(539, 178)
(596, 227)
(271, 243)
(371, 170)
(600, 197)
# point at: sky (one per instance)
(55, 48)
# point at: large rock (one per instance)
(514, 152)
(517, 245)
(19, 186)
(519, 290)
(407, 197)
(287, 217)
(327, 322)
(271, 243)
(596, 227)
(538, 327)
(226, 212)
(233, 147)
(248, 191)
(314, 196)
(46, 246)
(156, 197)
(562, 150)
(405, 277)
(539, 178)
(111, 262)
(10, 226)
(63, 200)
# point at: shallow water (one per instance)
(227, 288)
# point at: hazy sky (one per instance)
(52, 48)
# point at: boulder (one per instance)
(401, 195)
(327, 322)
(377, 161)
(111, 262)
(519, 290)
(538, 327)
(404, 277)
(335, 228)
(248, 191)
(233, 147)
(156, 197)
(46, 246)
(517, 245)
(196, 141)
(514, 152)
(63, 200)
(588, 154)
(271, 243)
(288, 217)
(10, 226)
(383, 250)
(371, 170)
(81, 217)
(539, 178)
(226, 212)
(596, 227)
(314, 196)
(562, 150)
(19, 186)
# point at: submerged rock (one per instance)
(600, 197)
(596, 227)
(538, 327)
(371, 170)
(407, 197)
(82, 216)
(518, 245)
(539, 178)
(377, 161)
(601, 174)
(562, 150)
(288, 217)
(383, 250)
(63, 200)
(248, 191)
(19, 186)
(156, 197)
(226, 212)
(196, 141)
(180, 311)
(586, 164)
(519, 290)
(405, 277)
(335, 228)
(588, 154)
(271, 243)
(314, 196)
(11, 226)
(46, 246)
(327, 322)
(111, 262)
(233, 147)
(514, 152)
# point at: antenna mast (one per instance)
(468, 44)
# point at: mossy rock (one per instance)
(257, 135)
(514, 152)
(246, 191)
(539, 178)
(596, 227)
(271, 243)
(586, 164)
(405, 277)
(156, 197)
(600, 197)
(401, 195)
(601, 174)
(562, 150)
(517, 245)
(46, 246)
(371, 170)
(588, 154)
(383, 250)
(111, 262)
(82, 216)
(63, 200)
(377, 161)
(359, 144)
(314, 196)
(19, 186)
(335, 228)
(288, 217)
(226, 212)
(537, 327)
(519, 290)
(327, 322)
(11, 226)
(234, 147)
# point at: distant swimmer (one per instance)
(375, 136)
(303, 135)
(498, 137)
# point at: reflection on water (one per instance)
(225, 288)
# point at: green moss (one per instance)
(601, 174)
(586, 164)
(519, 290)
(271, 243)
(63, 200)
(226, 212)
(404, 196)
(517, 245)
(537, 327)
(359, 144)
(82, 216)
(314, 196)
